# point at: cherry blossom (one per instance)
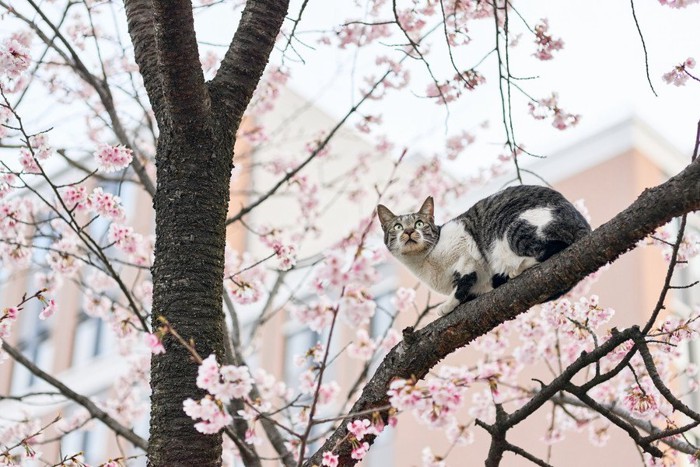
(360, 451)
(317, 315)
(211, 412)
(14, 58)
(154, 343)
(431, 460)
(546, 44)
(677, 3)
(679, 74)
(113, 158)
(641, 401)
(106, 205)
(363, 347)
(549, 108)
(48, 310)
(74, 197)
(356, 306)
(329, 459)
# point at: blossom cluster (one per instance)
(680, 74)
(546, 44)
(223, 383)
(113, 158)
(665, 237)
(14, 56)
(548, 107)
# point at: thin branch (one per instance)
(90, 406)
(644, 47)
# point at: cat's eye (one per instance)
(398, 227)
(419, 224)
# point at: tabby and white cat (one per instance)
(495, 240)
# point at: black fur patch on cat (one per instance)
(551, 248)
(463, 285)
(498, 280)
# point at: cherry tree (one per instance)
(139, 103)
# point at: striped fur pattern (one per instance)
(495, 240)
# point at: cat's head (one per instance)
(409, 234)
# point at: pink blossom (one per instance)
(317, 316)
(14, 58)
(392, 338)
(211, 412)
(329, 459)
(245, 292)
(367, 122)
(403, 394)
(307, 382)
(546, 44)
(113, 158)
(599, 435)
(124, 237)
(363, 347)
(459, 434)
(286, 255)
(74, 197)
(63, 257)
(360, 451)
(359, 428)
(9, 313)
(456, 144)
(404, 300)
(677, 3)
(40, 146)
(226, 382)
(679, 74)
(549, 108)
(28, 162)
(106, 205)
(431, 460)
(356, 306)
(5, 115)
(328, 392)
(641, 402)
(48, 310)
(154, 343)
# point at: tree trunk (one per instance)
(191, 203)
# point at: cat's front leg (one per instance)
(463, 292)
(448, 305)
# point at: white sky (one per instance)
(599, 74)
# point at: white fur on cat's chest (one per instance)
(455, 251)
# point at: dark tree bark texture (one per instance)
(194, 162)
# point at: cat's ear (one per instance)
(428, 208)
(385, 216)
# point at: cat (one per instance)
(498, 238)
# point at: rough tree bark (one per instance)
(422, 350)
(197, 122)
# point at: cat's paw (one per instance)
(447, 307)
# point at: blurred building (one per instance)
(609, 170)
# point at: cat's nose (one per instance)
(409, 232)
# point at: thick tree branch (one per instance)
(184, 94)
(247, 56)
(416, 356)
(139, 18)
